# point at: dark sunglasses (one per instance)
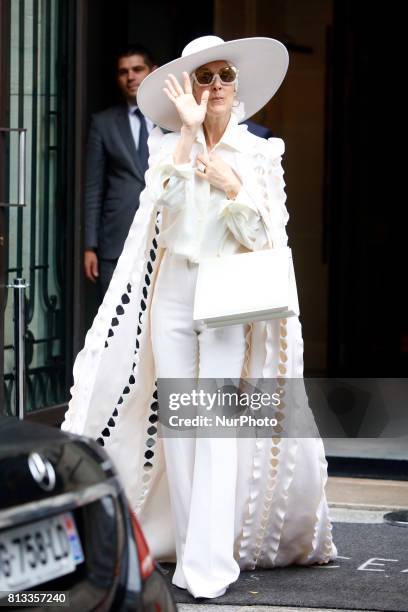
(205, 77)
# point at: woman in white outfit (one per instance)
(215, 505)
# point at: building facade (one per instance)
(56, 69)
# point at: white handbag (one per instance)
(246, 287)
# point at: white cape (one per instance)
(281, 511)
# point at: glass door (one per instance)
(35, 235)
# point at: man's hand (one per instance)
(218, 173)
(91, 265)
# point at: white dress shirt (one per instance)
(135, 124)
(198, 219)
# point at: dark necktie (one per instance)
(142, 150)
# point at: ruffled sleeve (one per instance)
(244, 221)
(169, 183)
(271, 181)
(258, 212)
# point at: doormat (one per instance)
(370, 573)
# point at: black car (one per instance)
(66, 526)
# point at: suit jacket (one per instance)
(258, 130)
(114, 181)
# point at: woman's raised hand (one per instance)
(191, 113)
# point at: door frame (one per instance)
(72, 48)
(4, 122)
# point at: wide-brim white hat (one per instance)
(262, 64)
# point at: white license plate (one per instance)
(39, 552)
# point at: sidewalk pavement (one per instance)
(215, 608)
(351, 500)
(367, 494)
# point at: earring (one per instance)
(236, 103)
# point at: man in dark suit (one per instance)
(116, 162)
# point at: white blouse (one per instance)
(198, 220)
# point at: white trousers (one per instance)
(201, 472)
